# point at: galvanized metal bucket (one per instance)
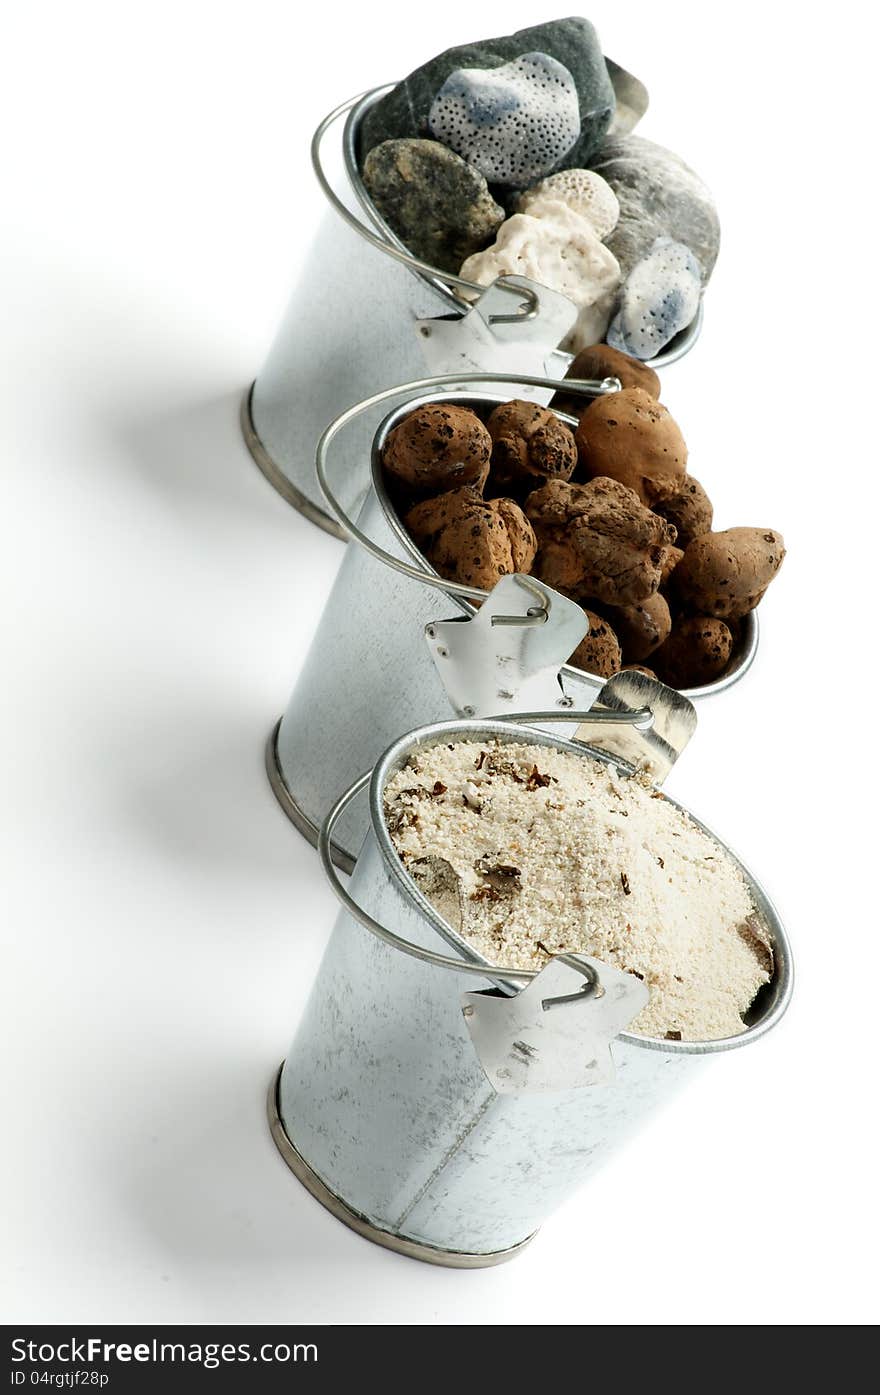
(356, 323)
(369, 674)
(385, 1110)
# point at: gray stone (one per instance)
(630, 99)
(572, 42)
(516, 123)
(438, 204)
(659, 196)
(659, 299)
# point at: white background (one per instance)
(164, 920)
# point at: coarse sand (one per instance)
(527, 851)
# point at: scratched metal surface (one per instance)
(383, 1095)
(368, 677)
(349, 331)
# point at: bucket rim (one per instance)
(745, 652)
(677, 347)
(775, 996)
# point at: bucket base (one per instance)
(276, 476)
(413, 1249)
(297, 815)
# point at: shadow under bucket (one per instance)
(369, 675)
(352, 327)
(385, 1108)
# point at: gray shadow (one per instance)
(187, 769)
(204, 1178)
(194, 786)
(195, 460)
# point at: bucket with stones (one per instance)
(369, 673)
(367, 312)
(443, 1104)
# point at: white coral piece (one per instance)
(582, 190)
(514, 123)
(559, 250)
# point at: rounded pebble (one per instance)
(438, 204)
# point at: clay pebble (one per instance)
(631, 437)
(438, 448)
(599, 651)
(471, 539)
(690, 510)
(642, 628)
(529, 445)
(598, 362)
(609, 544)
(602, 531)
(726, 574)
(697, 652)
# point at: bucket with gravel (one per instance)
(537, 948)
(506, 240)
(373, 628)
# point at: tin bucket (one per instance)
(369, 674)
(352, 326)
(385, 1110)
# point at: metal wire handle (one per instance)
(529, 301)
(643, 719)
(586, 387)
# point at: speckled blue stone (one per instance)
(515, 123)
(659, 299)
(572, 42)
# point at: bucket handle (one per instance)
(529, 302)
(642, 719)
(587, 387)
